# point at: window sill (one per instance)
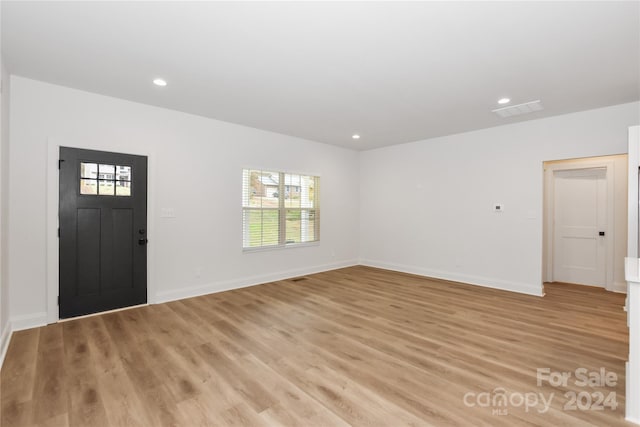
(280, 247)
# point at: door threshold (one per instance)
(102, 312)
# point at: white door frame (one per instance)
(632, 305)
(550, 209)
(53, 249)
(632, 189)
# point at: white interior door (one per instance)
(580, 226)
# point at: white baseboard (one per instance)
(523, 288)
(210, 288)
(5, 337)
(28, 321)
(619, 287)
(633, 420)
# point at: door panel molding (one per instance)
(549, 200)
(52, 224)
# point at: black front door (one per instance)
(103, 231)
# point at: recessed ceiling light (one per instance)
(159, 82)
(503, 101)
(355, 136)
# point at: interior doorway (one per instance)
(585, 221)
(580, 226)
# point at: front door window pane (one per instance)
(105, 187)
(88, 186)
(89, 170)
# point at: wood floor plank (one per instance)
(241, 415)
(305, 411)
(155, 399)
(84, 395)
(354, 346)
(252, 392)
(49, 397)
(17, 378)
(121, 402)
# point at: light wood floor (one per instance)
(356, 346)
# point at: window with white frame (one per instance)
(279, 209)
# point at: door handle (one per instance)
(142, 242)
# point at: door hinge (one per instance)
(60, 163)
(58, 231)
(58, 299)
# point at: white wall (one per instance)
(4, 206)
(195, 167)
(426, 207)
(2, 196)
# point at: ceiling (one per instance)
(392, 72)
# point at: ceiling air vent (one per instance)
(516, 110)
